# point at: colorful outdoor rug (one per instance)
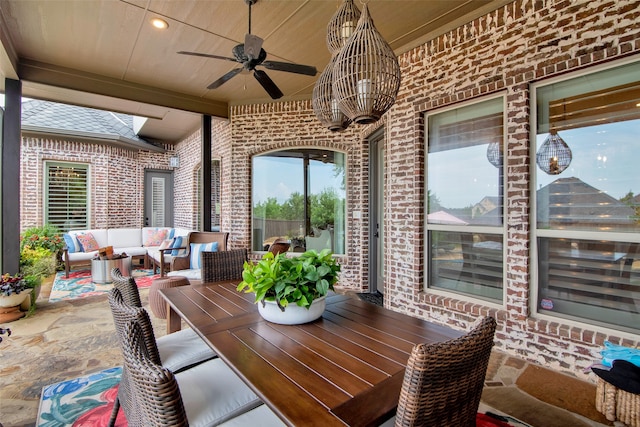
(79, 284)
(86, 401)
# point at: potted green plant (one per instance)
(291, 290)
(36, 264)
(13, 290)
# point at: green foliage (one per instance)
(322, 206)
(297, 280)
(39, 262)
(47, 237)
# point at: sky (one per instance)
(280, 177)
(606, 157)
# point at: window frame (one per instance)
(46, 188)
(473, 229)
(346, 190)
(590, 235)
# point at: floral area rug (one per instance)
(87, 402)
(81, 402)
(79, 284)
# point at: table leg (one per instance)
(174, 322)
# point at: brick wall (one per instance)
(501, 52)
(116, 179)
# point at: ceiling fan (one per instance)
(251, 54)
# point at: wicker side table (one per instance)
(157, 304)
(617, 405)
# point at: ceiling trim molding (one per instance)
(48, 74)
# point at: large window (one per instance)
(66, 196)
(588, 246)
(464, 203)
(299, 196)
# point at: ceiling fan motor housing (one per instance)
(249, 64)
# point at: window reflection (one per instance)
(299, 197)
(465, 175)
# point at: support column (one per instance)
(206, 173)
(10, 168)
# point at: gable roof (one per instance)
(573, 201)
(73, 122)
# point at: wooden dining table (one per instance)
(346, 368)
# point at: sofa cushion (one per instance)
(196, 248)
(71, 242)
(154, 236)
(87, 242)
(178, 242)
(124, 237)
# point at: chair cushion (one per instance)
(261, 416)
(194, 252)
(193, 274)
(183, 349)
(212, 393)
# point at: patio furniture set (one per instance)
(355, 365)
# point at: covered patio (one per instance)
(549, 253)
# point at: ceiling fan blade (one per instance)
(267, 84)
(207, 55)
(224, 78)
(290, 68)
(252, 46)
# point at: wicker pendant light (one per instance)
(494, 154)
(341, 26)
(554, 155)
(324, 103)
(366, 74)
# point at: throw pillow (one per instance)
(166, 244)
(154, 237)
(87, 242)
(196, 248)
(70, 241)
(178, 248)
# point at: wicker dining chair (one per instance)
(443, 381)
(164, 399)
(223, 265)
(177, 351)
(279, 246)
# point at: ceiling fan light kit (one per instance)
(250, 54)
(366, 74)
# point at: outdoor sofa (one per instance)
(139, 243)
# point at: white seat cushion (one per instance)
(261, 416)
(182, 349)
(193, 274)
(212, 393)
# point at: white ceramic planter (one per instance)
(292, 314)
(13, 299)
